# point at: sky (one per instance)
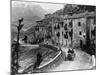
(48, 7)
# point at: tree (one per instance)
(19, 27)
(15, 51)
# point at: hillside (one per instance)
(29, 12)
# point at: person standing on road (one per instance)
(38, 61)
(71, 54)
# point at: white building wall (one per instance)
(76, 31)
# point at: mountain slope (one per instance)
(29, 12)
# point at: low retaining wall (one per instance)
(50, 60)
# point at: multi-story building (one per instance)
(77, 31)
(61, 33)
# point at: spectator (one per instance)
(25, 39)
(38, 61)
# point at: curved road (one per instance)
(82, 61)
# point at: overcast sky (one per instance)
(49, 7)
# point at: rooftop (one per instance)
(85, 14)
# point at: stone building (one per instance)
(61, 32)
(83, 26)
(43, 30)
(77, 31)
(57, 32)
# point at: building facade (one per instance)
(77, 31)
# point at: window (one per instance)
(58, 34)
(70, 34)
(80, 33)
(55, 27)
(65, 36)
(79, 23)
(65, 27)
(58, 26)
